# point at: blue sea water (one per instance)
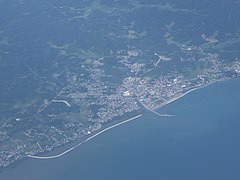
(201, 142)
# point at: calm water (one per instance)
(201, 142)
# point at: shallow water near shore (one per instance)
(201, 142)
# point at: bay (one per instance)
(201, 142)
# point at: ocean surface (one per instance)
(201, 142)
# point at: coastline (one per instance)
(81, 161)
(86, 140)
(126, 121)
(187, 92)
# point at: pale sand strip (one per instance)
(176, 98)
(187, 92)
(88, 139)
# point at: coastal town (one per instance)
(91, 103)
